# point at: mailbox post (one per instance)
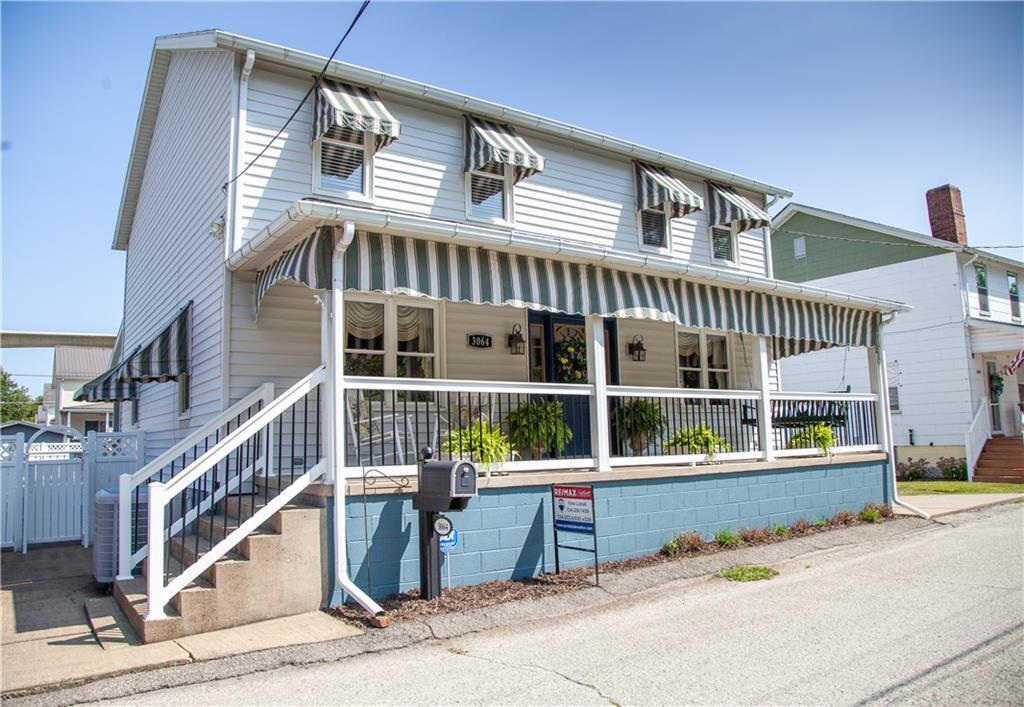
(443, 487)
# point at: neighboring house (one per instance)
(406, 266)
(948, 357)
(73, 367)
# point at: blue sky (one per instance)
(858, 108)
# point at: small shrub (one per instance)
(801, 526)
(749, 535)
(870, 515)
(727, 538)
(911, 470)
(952, 468)
(818, 435)
(764, 535)
(844, 518)
(698, 440)
(747, 573)
(683, 543)
(780, 531)
(819, 524)
(883, 510)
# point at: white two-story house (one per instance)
(952, 383)
(311, 302)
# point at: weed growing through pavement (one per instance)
(747, 573)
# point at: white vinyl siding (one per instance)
(171, 258)
(582, 195)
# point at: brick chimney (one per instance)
(946, 214)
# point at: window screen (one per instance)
(342, 161)
(721, 243)
(652, 225)
(487, 192)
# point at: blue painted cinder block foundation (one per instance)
(506, 533)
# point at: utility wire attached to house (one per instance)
(863, 242)
(362, 9)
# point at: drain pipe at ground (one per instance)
(883, 391)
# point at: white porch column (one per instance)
(597, 376)
(764, 416)
(877, 379)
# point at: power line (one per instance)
(861, 241)
(362, 8)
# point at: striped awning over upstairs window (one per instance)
(728, 208)
(656, 188)
(340, 106)
(492, 144)
(458, 273)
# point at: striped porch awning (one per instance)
(728, 208)
(490, 143)
(656, 188)
(437, 270)
(112, 386)
(166, 356)
(340, 106)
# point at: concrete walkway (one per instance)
(941, 504)
(59, 629)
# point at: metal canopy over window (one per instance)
(727, 208)
(491, 144)
(341, 107)
(657, 189)
(438, 270)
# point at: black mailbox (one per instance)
(444, 485)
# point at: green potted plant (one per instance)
(698, 440)
(481, 442)
(818, 435)
(540, 427)
(636, 420)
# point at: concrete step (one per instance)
(130, 596)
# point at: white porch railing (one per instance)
(977, 434)
(132, 545)
(389, 420)
(282, 440)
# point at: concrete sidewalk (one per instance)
(60, 630)
(941, 504)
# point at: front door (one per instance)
(992, 371)
(558, 354)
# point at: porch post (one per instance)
(597, 376)
(880, 388)
(764, 415)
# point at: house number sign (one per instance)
(479, 341)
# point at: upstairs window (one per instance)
(799, 248)
(1014, 288)
(893, 385)
(981, 280)
(723, 246)
(654, 228)
(343, 164)
(489, 193)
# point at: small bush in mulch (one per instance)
(409, 606)
(747, 573)
(911, 470)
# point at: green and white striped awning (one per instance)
(656, 188)
(111, 386)
(727, 208)
(308, 263)
(341, 107)
(489, 143)
(438, 270)
(166, 356)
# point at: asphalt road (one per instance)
(935, 618)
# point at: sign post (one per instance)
(572, 511)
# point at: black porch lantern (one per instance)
(636, 348)
(516, 342)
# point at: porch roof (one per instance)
(302, 216)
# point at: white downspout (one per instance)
(334, 347)
(883, 393)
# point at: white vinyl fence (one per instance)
(47, 489)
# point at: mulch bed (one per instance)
(408, 606)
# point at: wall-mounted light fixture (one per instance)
(636, 348)
(516, 342)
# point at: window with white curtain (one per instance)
(703, 360)
(385, 337)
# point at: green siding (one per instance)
(827, 257)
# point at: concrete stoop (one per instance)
(273, 572)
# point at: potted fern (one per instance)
(818, 435)
(637, 420)
(698, 440)
(539, 427)
(481, 442)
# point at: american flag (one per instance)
(1016, 363)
